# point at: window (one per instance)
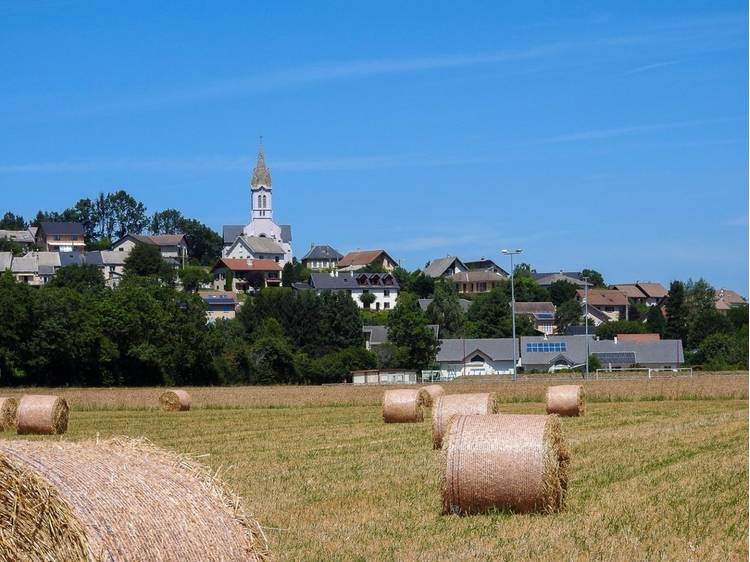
(387, 293)
(260, 201)
(546, 347)
(56, 237)
(277, 259)
(477, 359)
(386, 305)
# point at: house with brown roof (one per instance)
(611, 302)
(354, 261)
(727, 299)
(542, 314)
(173, 247)
(651, 294)
(470, 282)
(246, 274)
(60, 237)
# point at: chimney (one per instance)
(615, 340)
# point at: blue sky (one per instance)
(611, 136)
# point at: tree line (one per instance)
(109, 217)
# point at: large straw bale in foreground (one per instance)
(8, 409)
(434, 391)
(174, 401)
(42, 414)
(405, 405)
(459, 404)
(566, 400)
(118, 500)
(513, 462)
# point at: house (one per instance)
(655, 293)
(22, 238)
(595, 316)
(546, 279)
(354, 261)
(321, 258)
(60, 237)
(469, 282)
(424, 304)
(256, 248)
(468, 357)
(610, 301)
(246, 274)
(220, 305)
(111, 263)
(378, 335)
(727, 299)
(262, 224)
(631, 290)
(173, 247)
(542, 314)
(444, 267)
(383, 286)
(484, 264)
(540, 353)
(26, 270)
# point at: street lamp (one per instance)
(512, 253)
(586, 319)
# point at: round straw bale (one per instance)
(405, 405)
(513, 462)
(117, 500)
(458, 404)
(434, 391)
(566, 400)
(43, 414)
(174, 401)
(8, 408)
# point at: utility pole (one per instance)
(586, 319)
(512, 253)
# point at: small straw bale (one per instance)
(117, 500)
(434, 391)
(458, 404)
(404, 405)
(509, 462)
(174, 401)
(8, 408)
(42, 414)
(566, 400)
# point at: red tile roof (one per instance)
(638, 337)
(631, 290)
(653, 290)
(604, 297)
(362, 258)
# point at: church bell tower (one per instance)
(261, 196)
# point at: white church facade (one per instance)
(262, 238)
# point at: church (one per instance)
(262, 238)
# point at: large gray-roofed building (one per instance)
(473, 357)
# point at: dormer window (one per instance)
(362, 279)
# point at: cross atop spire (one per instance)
(261, 174)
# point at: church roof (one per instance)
(261, 245)
(232, 232)
(261, 174)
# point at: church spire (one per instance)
(261, 174)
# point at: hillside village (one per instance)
(565, 317)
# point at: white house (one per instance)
(445, 267)
(466, 357)
(173, 247)
(110, 263)
(261, 223)
(383, 286)
(256, 248)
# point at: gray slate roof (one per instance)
(485, 265)
(322, 252)
(497, 349)
(425, 303)
(71, 258)
(437, 268)
(26, 264)
(6, 259)
(20, 236)
(349, 280)
(662, 351)
(231, 232)
(106, 257)
(62, 228)
(261, 245)
(546, 279)
(286, 233)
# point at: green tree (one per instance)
(674, 304)
(407, 330)
(655, 323)
(561, 291)
(17, 302)
(128, 215)
(367, 299)
(80, 278)
(11, 246)
(594, 363)
(287, 275)
(595, 278)
(490, 316)
(608, 330)
(12, 222)
(272, 356)
(144, 259)
(229, 281)
(702, 317)
(568, 314)
(168, 221)
(193, 277)
(204, 245)
(445, 310)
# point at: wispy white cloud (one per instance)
(596, 134)
(741, 221)
(647, 67)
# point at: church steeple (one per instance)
(261, 174)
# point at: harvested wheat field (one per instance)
(658, 470)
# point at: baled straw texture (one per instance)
(405, 405)
(119, 500)
(434, 391)
(174, 401)
(8, 409)
(566, 400)
(513, 462)
(42, 414)
(458, 404)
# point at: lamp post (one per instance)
(512, 253)
(586, 319)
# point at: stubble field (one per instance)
(659, 470)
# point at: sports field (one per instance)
(659, 470)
